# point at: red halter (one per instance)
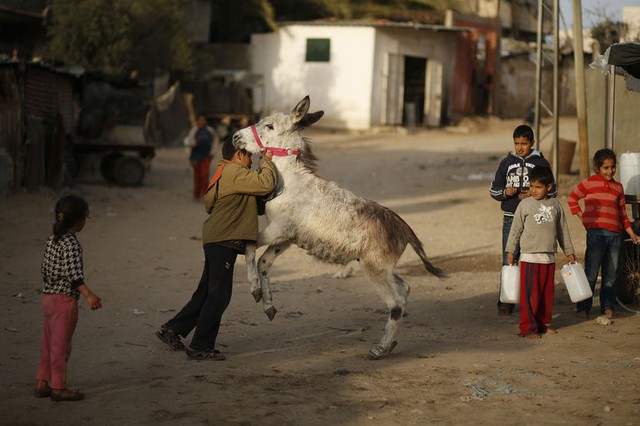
(278, 152)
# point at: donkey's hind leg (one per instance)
(252, 271)
(395, 293)
(264, 263)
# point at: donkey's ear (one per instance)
(301, 109)
(309, 119)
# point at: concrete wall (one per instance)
(341, 87)
(626, 122)
(518, 86)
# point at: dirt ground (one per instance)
(456, 361)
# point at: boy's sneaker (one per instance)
(171, 338)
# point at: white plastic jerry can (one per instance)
(630, 172)
(510, 284)
(576, 281)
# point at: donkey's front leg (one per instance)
(252, 270)
(265, 262)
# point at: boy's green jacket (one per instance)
(231, 202)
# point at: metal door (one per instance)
(433, 97)
(394, 90)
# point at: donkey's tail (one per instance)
(416, 244)
(400, 232)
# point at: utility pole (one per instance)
(551, 110)
(581, 103)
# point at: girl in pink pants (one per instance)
(63, 277)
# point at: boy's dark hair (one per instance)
(228, 149)
(523, 131)
(542, 175)
(69, 210)
(603, 154)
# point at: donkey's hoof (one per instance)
(377, 352)
(271, 312)
(257, 294)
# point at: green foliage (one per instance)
(160, 37)
(607, 32)
(117, 37)
(91, 33)
(233, 23)
(306, 10)
(423, 11)
(120, 36)
(400, 10)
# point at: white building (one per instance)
(361, 75)
(631, 17)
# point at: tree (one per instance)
(160, 35)
(306, 10)
(607, 32)
(117, 37)
(234, 22)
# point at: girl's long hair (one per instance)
(70, 210)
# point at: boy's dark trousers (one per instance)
(209, 301)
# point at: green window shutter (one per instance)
(318, 50)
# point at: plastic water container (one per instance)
(630, 173)
(576, 281)
(510, 284)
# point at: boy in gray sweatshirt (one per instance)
(539, 223)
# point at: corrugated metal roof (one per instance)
(48, 94)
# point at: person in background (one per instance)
(63, 276)
(604, 217)
(200, 140)
(511, 185)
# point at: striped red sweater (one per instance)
(604, 204)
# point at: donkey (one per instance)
(329, 222)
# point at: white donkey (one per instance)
(329, 222)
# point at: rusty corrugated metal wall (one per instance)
(10, 128)
(49, 108)
(37, 111)
(475, 79)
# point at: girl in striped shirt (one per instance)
(604, 217)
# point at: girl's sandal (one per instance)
(42, 392)
(66, 395)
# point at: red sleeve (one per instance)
(577, 193)
(623, 210)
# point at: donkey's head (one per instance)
(279, 133)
